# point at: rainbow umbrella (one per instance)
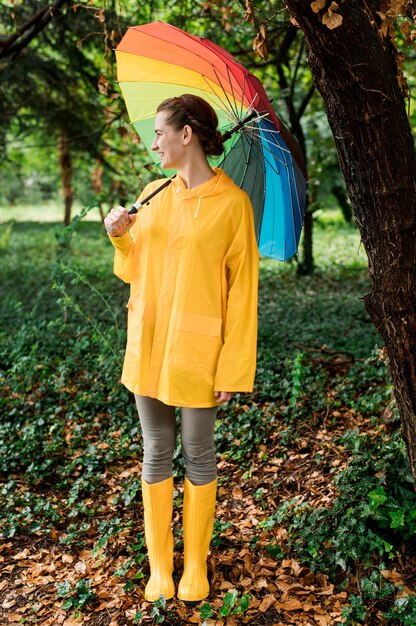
(158, 61)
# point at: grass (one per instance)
(49, 211)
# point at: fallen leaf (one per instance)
(21, 555)
(318, 5)
(266, 603)
(332, 20)
(237, 493)
(289, 605)
(67, 558)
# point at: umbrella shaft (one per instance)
(134, 207)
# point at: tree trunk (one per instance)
(306, 264)
(65, 163)
(354, 69)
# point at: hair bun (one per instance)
(214, 145)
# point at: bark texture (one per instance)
(354, 69)
(65, 163)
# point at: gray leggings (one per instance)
(159, 435)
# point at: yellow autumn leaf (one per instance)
(318, 5)
(332, 20)
(259, 46)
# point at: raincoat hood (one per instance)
(215, 186)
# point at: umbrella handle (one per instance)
(240, 124)
(136, 206)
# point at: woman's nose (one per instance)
(154, 145)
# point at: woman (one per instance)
(191, 259)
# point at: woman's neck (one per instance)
(195, 173)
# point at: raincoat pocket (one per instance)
(136, 309)
(198, 343)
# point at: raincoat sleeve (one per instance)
(125, 249)
(123, 257)
(126, 245)
(237, 360)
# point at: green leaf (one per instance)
(206, 611)
(63, 589)
(397, 519)
(225, 610)
(230, 598)
(245, 602)
(68, 604)
(129, 586)
(377, 497)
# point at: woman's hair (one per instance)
(200, 116)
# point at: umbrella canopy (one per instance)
(158, 61)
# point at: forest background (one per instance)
(317, 509)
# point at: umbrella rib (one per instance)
(268, 141)
(272, 131)
(242, 93)
(257, 150)
(259, 171)
(232, 89)
(221, 105)
(254, 151)
(225, 93)
(246, 156)
(266, 148)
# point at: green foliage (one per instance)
(361, 389)
(356, 612)
(404, 610)
(376, 590)
(219, 527)
(374, 512)
(78, 595)
(159, 611)
(232, 604)
(5, 234)
(66, 424)
(65, 418)
(375, 586)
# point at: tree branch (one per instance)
(17, 42)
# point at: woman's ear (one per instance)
(187, 134)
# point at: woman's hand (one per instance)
(222, 396)
(118, 221)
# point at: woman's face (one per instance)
(168, 143)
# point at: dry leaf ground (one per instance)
(281, 590)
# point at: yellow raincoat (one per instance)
(191, 259)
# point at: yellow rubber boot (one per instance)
(198, 524)
(158, 508)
